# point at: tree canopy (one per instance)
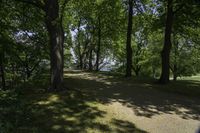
(158, 39)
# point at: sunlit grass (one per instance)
(71, 111)
(87, 105)
(195, 78)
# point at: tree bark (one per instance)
(28, 73)
(79, 46)
(90, 60)
(175, 72)
(56, 36)
(91, 48)
(175, 69)
(85, 54)
(99, 44)
(2, 72)
(128, 43)
(137, 67)
(165, 54)
(137, 70)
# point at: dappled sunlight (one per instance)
(50, 100)
(135, 94)
(56, 127)
(96, 103)
(90, 76)
(122, 126)
(75, 75)
(99, 66)
(145, 100)
(154, 123)
(71, 111)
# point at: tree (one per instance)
(128, 43)
(53, 21)
(165, 54)
(178, 9)
(99, 27)
(2, 70)
(92, 33)
(56, 35)
(99, 43)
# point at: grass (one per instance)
(85, 106)
(194, 78)
(188, 86)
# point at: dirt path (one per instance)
(163, 123)
(139, 103)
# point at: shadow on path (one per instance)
(144, 97)
(76, 110)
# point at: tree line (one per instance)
(148, 37)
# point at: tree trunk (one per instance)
(85, 62)
(137, 67)
(164, 78)
(154, 72)
(99, 44)
(28, 73)
(137, 73)
(91, 48)
(3, 81)
(85, 55)
(56, 36)
(175, 75)
(137, 70)
(128, 43)
(175, 72)
(79, 47)
(90, 60)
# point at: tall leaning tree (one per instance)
(165, 54)
(53, 21)
(128, 42)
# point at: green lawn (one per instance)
(195, 78)
(84, 106)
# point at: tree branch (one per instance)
(62, 10)
(178, 9)
(36, 3)
(140, 7)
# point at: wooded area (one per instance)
(43, 41)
